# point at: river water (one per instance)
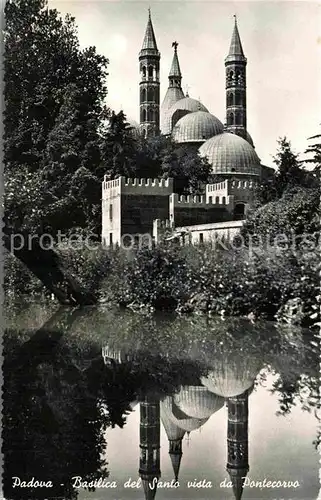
(198, 404)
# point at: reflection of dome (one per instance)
(198, 402)
(178, 110)
(230, 379)
(197, 127)
(229, 153)
(179, 418)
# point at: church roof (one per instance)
(228, 153)
(236, 50)
(180, 108)
(188, 104)
(149, 42)
(197, 127)
(172, 95)
(198, 401)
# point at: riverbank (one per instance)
(194, 279)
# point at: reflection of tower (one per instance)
(149, 463)
(235, 66)
(237, 442)
(175, 437)
(149, 58)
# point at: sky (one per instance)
(281, 40)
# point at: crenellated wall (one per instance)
(242, 190)
(129, 206)
(189, 210)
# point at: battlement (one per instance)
(140, 186)
(200, 201)
(229, 184)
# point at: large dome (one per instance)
(197, 127)
(228, 153)
(178, 110)
(198, 401)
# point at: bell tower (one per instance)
(149, 462)
(237, 442)
(235, 75)
(149, 58)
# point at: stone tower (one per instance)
(149, 463)
(237, 442)
(174, 92)
(235, 71)
(149, 58)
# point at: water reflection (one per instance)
(84, 372)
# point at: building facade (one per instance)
(136, 208)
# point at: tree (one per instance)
(118, 147)
(189, 171)
(289, 174)
(54, 93)
(314, 149)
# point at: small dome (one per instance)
(178, 110)
(189, 104)
(228, 153)
(198, 402)
(197, 127)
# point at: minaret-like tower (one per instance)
(237, 442)
(149, 463)
(149, 58)
(235, 70)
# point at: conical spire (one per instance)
(237, 483)
(236, 49)
(175, 68)
(149, 42)
(149, 489)
(175, 453)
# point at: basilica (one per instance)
(136, 206)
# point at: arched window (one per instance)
(143, 94)
(230, 119)
(150, 95)
(223, 200)
(144, 133)
(230, 99)
(150, 71)
(231, 76)
(238, 98)
(144, 71)
(144, 115)
(150, 115)
(217, 199)
(238, 119)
